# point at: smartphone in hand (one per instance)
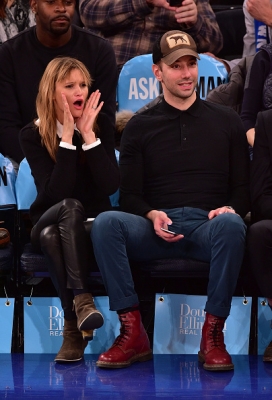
(175, 3)
(171, 232)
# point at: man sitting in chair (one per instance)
(184, 192)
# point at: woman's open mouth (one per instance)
(78, 104)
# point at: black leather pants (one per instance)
(64, 238)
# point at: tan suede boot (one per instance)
(88, 317)
(73, 344)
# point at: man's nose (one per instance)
(61, 6)
(186, 71)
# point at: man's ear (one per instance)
(157, 72)
(33, 5)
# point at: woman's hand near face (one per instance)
(86, 122)
(68, 122)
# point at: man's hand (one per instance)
(161, 220)
(221, 210)
(187, 13)
(260, 10)
(251, 136)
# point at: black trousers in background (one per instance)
(260, 255)
(63, 235)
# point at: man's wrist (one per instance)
(230, 208)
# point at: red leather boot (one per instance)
(131, 345)
(213, 351)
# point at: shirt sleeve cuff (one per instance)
(91, 146)
(67, 146)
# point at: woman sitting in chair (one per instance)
(74, 172)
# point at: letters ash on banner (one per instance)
(43, 326)
(179, 320)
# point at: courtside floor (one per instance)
(33, 376)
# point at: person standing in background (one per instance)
(133, 26)
(258, 21)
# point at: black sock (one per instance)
(70, 316)
(128, 309)
(79, 291)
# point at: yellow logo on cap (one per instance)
(177, 39)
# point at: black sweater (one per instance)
(261, 168)
(253, 93)
(89, 176)
(195, 158)
(23, 60)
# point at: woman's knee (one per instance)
(71, 210)
(49, 236)
(71, 205)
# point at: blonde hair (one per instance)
(56, 71)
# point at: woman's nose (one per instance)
(78, 90)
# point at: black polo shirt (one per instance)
(195, 158)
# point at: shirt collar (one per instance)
(172, 112)
(59, 127)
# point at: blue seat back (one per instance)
(137, 84)
(26, 191)
(7, 182)
(211, 73)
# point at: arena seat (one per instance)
(7, 204)
(137, 85)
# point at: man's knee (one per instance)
(114, 224)
(106, 223)
(230, 225)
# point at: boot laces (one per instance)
(215, 335)
(124, 331)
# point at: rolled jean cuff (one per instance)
(126, 302)
(217, 311)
